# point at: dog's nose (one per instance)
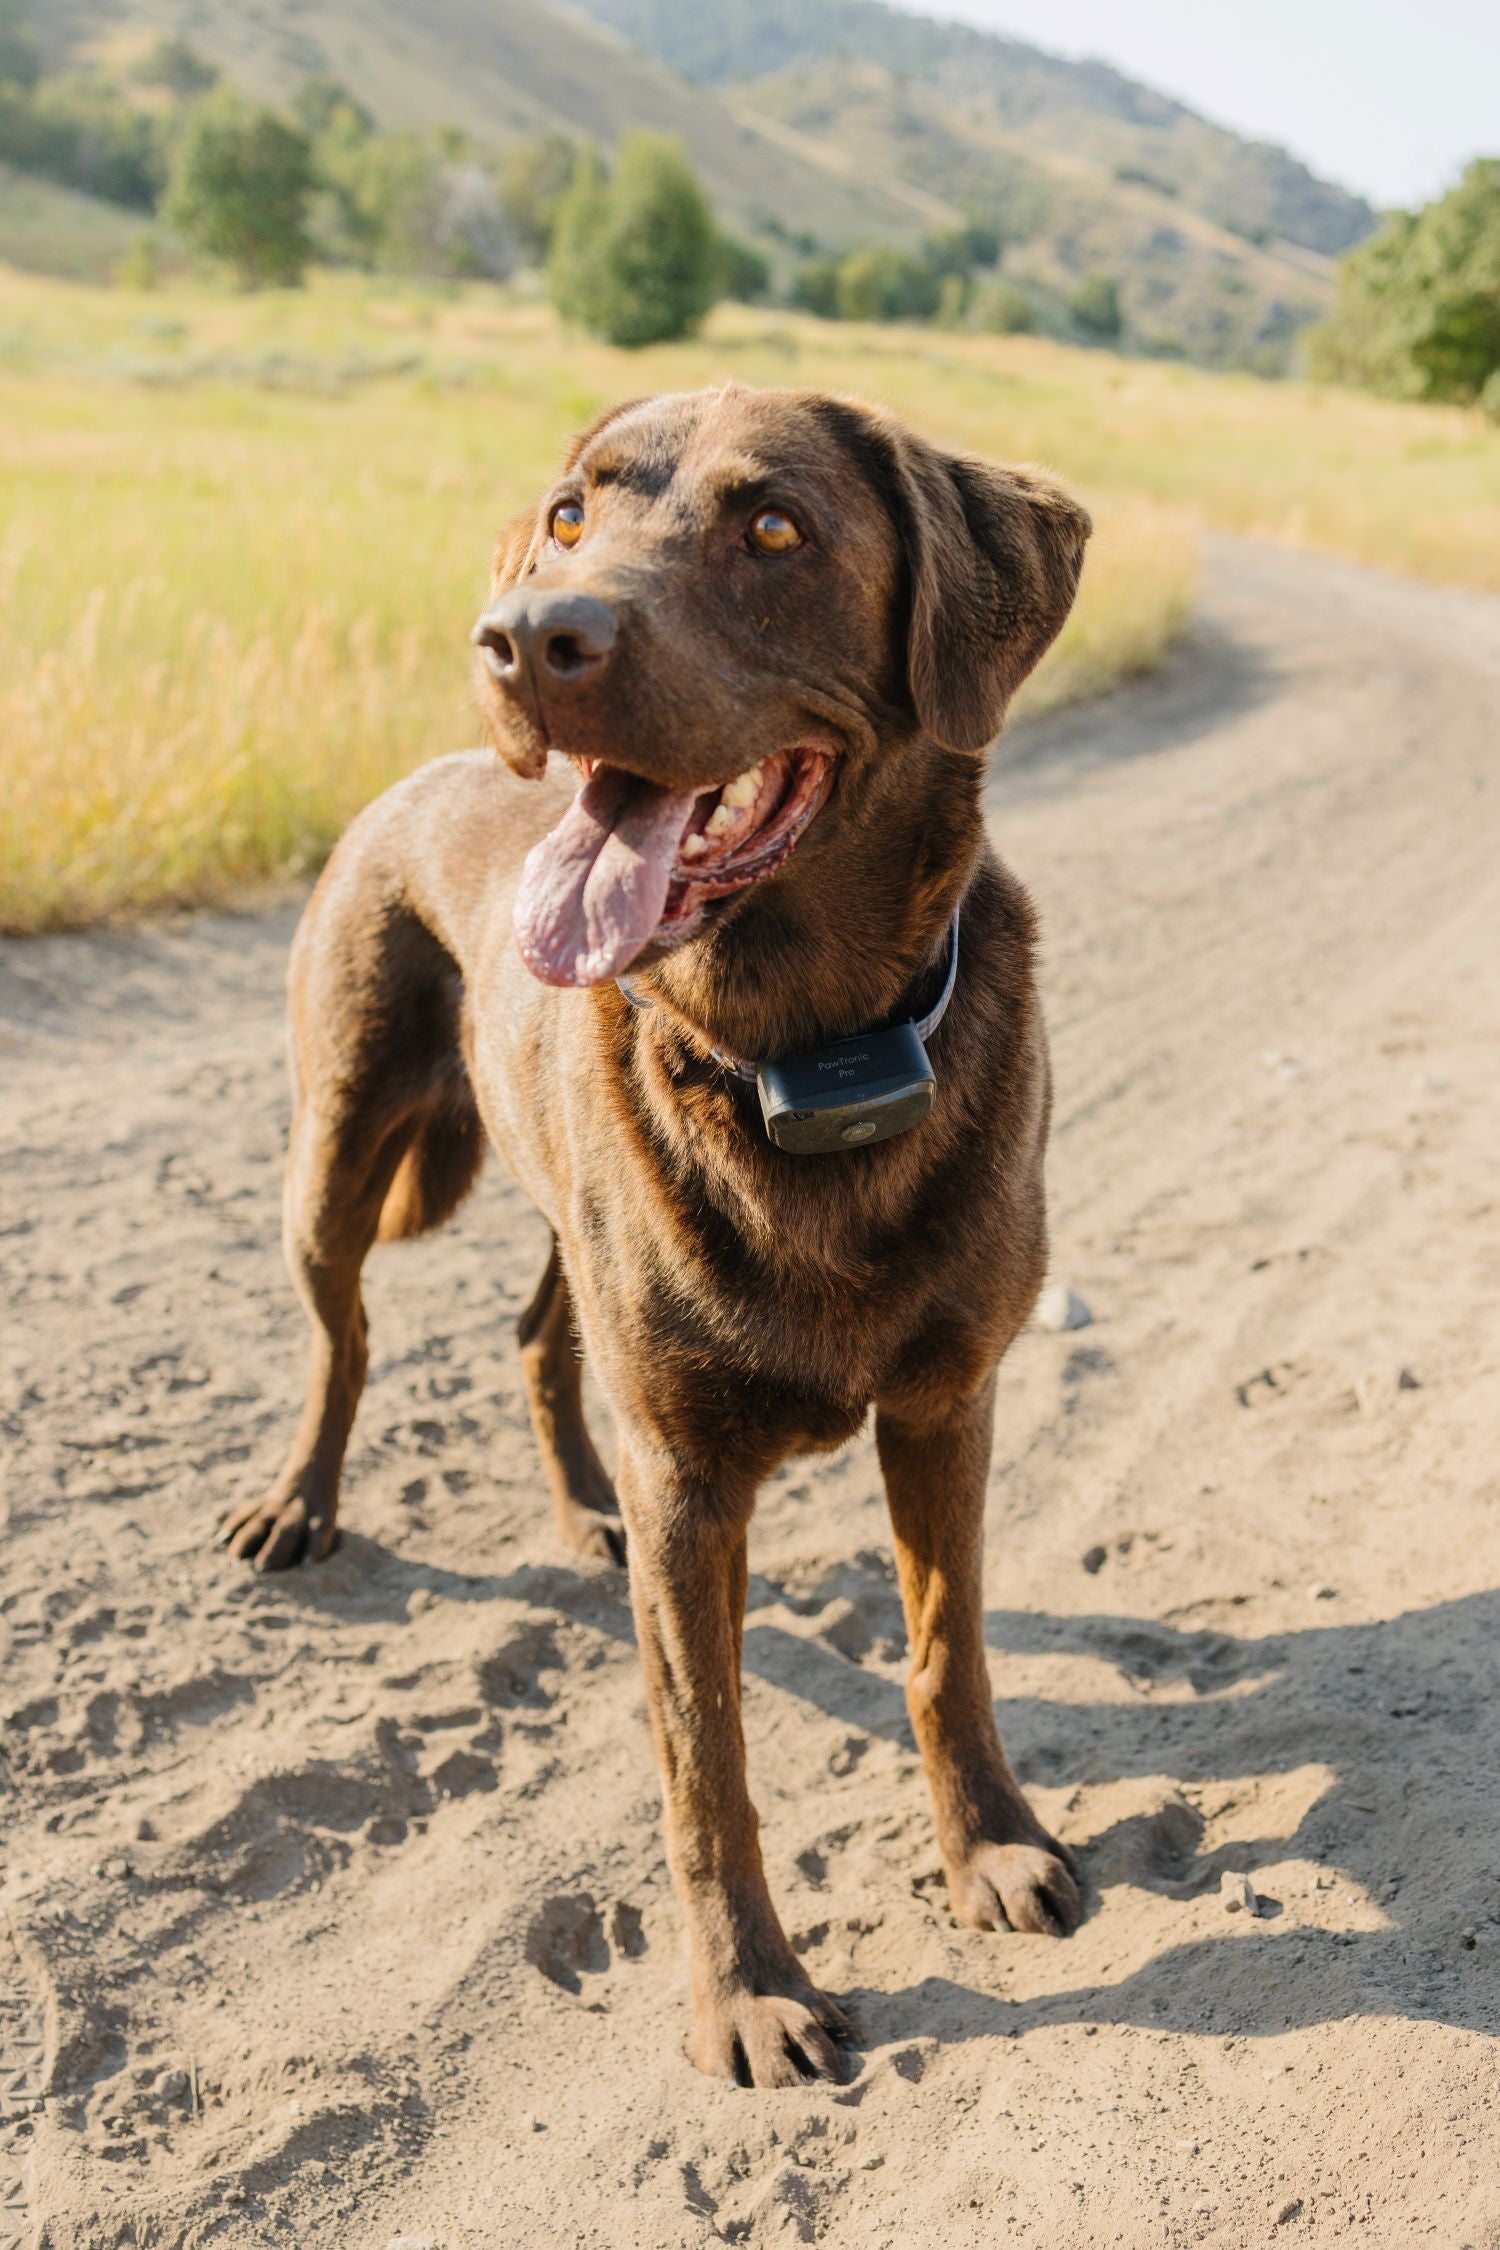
(553, 641)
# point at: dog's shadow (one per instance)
(1399, 1713)
(368, 1581)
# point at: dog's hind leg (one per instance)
(331, 1213)
(583, 1498)
(385, 1141)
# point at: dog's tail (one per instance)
(438, 1169)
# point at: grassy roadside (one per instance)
(241, 539)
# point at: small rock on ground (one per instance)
(1060, 1307)
(1237, 1893)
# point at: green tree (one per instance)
(743, 274)
(534, 178)
(634, 258)
(349, 198)
(240, 189)
(1096, 307)
(953, 299)
(862, 286)
(1006, 310)
(20, 63)
(575, 257)
(397, 194)
(975, 244)
(1417, 310)
(320, 103)
(77, 129)
(175, 63)
(886, 284)
(408, 202)
(815, 288)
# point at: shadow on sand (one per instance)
(1216, 672)
(1400, 1713)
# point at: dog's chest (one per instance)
(811, 1341)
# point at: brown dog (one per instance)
(794, 601)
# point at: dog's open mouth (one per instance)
(631, 861)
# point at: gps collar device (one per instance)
(852, 1092)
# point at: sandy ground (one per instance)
(333, 1909)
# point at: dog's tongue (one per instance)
(594, 889)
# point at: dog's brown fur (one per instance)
(739, 1304)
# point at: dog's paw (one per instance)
(770, 2038)
(1017, 1886)
(593, 1534)
(276, 1533)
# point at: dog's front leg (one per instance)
(755, 2016)
(1002, 1865)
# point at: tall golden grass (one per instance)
(241, 540)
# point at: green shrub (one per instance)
(240, 189)
(1137, 175)
(1417, 312)
(744, 275)
(322, 103)
(975, 244)
(886, 284)
(635, 257)
(1006, 310)
(816, 287)
(77, 130)
(953, 299)
(176, 64)
(1096, 307)
(533, 181)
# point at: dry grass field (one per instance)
(241, 538)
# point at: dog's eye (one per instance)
(567, 523)
(773, 533)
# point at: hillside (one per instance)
(507, 70)
(1083, 109)
(47, 229)
(1221, 246)
(824, 125)
(1188, 286)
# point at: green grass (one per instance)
(241, 539)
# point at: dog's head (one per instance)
(728, 603)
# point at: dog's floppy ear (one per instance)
(994, 556)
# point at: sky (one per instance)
(1391, 97)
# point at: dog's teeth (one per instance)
(693, 847)
(720, 821)
(744, 789)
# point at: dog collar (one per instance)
(865, 1088)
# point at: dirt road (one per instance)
(332, 1907)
